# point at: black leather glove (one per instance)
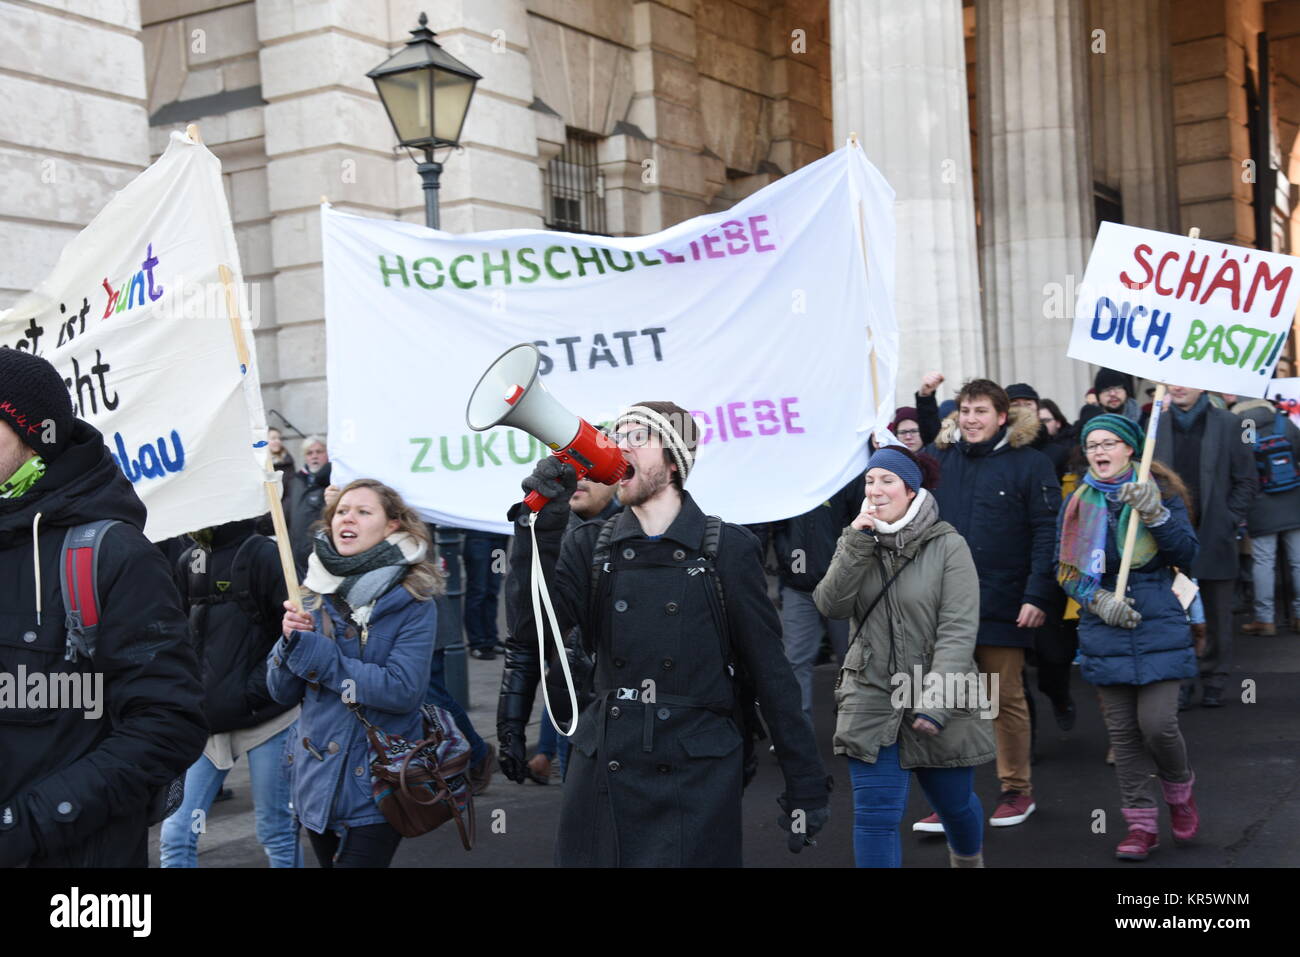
(553, 478)
(511, 752)
(801, 825)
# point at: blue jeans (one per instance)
(553, 744)
(880, 798)
(438, 694)
(277, 830)
(482, 584)
(1264, 550)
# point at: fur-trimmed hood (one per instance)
(1022, 429)
(1250, 405)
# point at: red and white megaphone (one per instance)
(510, 393)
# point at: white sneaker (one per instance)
(929, 825)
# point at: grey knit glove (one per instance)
(1113, 611)
(1144, 498)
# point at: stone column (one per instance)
(1035, 189)
(1132, 108)
(73, 127)
(899, 81)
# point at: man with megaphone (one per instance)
(673, 606)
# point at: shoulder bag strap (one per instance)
(876, 601)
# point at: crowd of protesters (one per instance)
(987, 541)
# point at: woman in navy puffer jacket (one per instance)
(1136, 650)
(369, 573)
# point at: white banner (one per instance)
(1184, 311)
(756, 320)
(135, 316)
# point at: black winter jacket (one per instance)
(658, 782)
(234, 632)
(805, 544)
(1002, 496)
(307, 503)
(75, 790)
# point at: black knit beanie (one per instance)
(1109, 377)
(34, 402)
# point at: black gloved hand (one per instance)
(555, 479)
(801, 825)
(512, 752)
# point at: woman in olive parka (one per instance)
(923, 625)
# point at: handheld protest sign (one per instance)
(1180, 309)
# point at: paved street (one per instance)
(1247, 759)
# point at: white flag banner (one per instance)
(759, 320)
(137, 315)
(1184, 311)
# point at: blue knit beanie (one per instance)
(889, 458)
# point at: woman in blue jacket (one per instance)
(369, 573)
(1136, 650)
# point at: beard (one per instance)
(12, 462)
(645, 485)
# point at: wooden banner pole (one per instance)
(273, 499)
(866, 268)
(1144, 471)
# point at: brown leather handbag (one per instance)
(418, 786)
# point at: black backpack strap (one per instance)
(241, 578)
(79, 581)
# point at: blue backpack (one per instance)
(1275, 459)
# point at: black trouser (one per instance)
(1055, 647)
(371, 845)
(1216, 665)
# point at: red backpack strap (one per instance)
(79, 577)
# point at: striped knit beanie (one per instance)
(675, 427)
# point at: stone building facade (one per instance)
(1007, 127)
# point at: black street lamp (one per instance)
(426, 92)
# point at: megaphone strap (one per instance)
(542, 596)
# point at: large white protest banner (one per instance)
(755, 319)
(135, 316)
(1184, 311)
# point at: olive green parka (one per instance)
(927, 621)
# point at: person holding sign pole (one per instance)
(1210, 449)
(365, 638)
(1136, 649)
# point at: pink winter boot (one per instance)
(1183, 816)
(1143, 826)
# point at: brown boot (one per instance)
(1263, 629)
(962, 860)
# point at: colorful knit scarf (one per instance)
(28, 474)
(1082, 559)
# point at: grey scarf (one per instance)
(360, 579)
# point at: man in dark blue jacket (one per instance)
(1002, 495)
